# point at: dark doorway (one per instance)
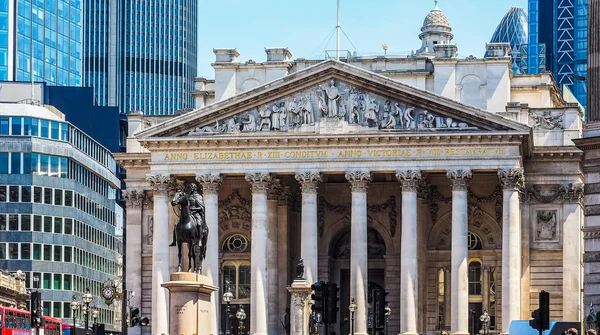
(475, 311)
(376, 279)
(235, 328)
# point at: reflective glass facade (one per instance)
(47, 32)
(560, 27)
(141, 55)
(513, 29)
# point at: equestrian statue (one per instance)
(191, 228)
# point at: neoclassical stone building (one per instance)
(452, 184)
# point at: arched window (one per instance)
(474, 241)
(475, 278)
(236, 267)
(236, 243)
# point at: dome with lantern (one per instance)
(435, 30)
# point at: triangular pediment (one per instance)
(332, 98)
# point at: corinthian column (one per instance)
(408, 252)
(161, 184)
(133, 202)
(359, 182)
(512, 180)
(259, 277)
(273, 192)
(460, 229)
(309, 182)
(210, 190)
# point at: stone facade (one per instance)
(451, 183)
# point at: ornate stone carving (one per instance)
(210, 182)
(234, 212)
(274, 189)
(285, 196)
(148, 200)
(150, 229)
(564, 193)
(460, 179)
(424, 189)
(390, 205)
(375, 245)
(511, 179)
(410, 179)
(259, 181)
(545, 229)
(546, 120)
(359, 180)
(309, 181)
(572, 193)
(160, 183)
(133, 198)
(328, 101)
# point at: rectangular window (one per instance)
(68, 226)
(3, 193)
(67, 282)
(35, 159)
(58, 197)
(2, 250)
(46, 304)
(3, 162)
(4, 125)
(2, 222)
(54, 130)
(69, 198)
(48, 196)
(47, 278)
(47, 252)
(37, 194)
(68, 254)
(58, 253)
(15, 163)
(57, 306)
(30, 127)
(25, 251)
(16, 126)
(44, 128)
(54, 166)
(13, 192)
(13, 250)
(25, 222)
(37, 252)
(58, 225)
(25, 193)
(64, 170)
(13, 222)
(27, 163)
(47, 224)
(37, 223)
(43, 165)
(64, 129)
(66, 305)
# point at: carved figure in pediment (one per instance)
(322, 103)
(275, 110)
(307, 110)
(208, 129)
(265, 119)
(249, 122)
(372, 114)
(333, 99)
(294, 113)
(427, 120)
(233, 126)
(408, 121)
(389, 117)
(283, 117)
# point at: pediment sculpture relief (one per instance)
(333, 102)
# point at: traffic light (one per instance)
(379, 304)
(331, 303)
(98, 329)
(541, 316)
(36, 307)
(319, 293)
(134, 317)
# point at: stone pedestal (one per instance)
(299, 313)
(189, 303)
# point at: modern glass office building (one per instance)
(140, 55)
(59, 221)
(49, 33)
(558, 31)
(513, 29)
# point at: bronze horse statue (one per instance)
(190, 229)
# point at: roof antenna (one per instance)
(436, 5)
(337, 55)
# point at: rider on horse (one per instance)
(196, 209)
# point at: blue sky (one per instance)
(304, 26)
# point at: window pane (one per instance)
(46, 304)
(48, 196)
(47, 224)
(2, 222)
(58, 225)
(25, 251)
(54, 130)
(66, 305)
(57, 253)
(64, 129)
(67, 282)
(44, 128)
(13, 250)
(54, 166)
(69, 198)
(47, 252)
(37, 195)
(244, 282)
(13, 222)
(57, 306)
(37, 223)
(25, 193)
(4, 125)
(3, 162)
(43, 165)
(68, 226)
(25, 222)
(16, 126)
(34, 163)
(64, 170)
(58, 199)
(27, 163)
(68, 254)
(15, 163)
(2, 193)
(13, 193)
(2, 250)
(46, 282)
(37, 252)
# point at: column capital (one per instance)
(459, 178)
(359, 180)
(274, 189)
(133, 198)
(409, 179)
(309, 181)
(511, 179)
(210, 182)
(160, 183)
(259, 181)
(285, 196)
(148, 200)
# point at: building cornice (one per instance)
(130, 161)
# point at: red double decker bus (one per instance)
(52, 326)
(15, 321)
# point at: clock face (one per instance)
(108, 293)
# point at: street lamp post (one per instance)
(227, 297)
(95, 315)
(87, 299)
(74, 308)
(388, 312)
(352, 308)
(240, 315)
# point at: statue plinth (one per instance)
(189, 303)
(299, 309)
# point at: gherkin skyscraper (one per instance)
(513, 29)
